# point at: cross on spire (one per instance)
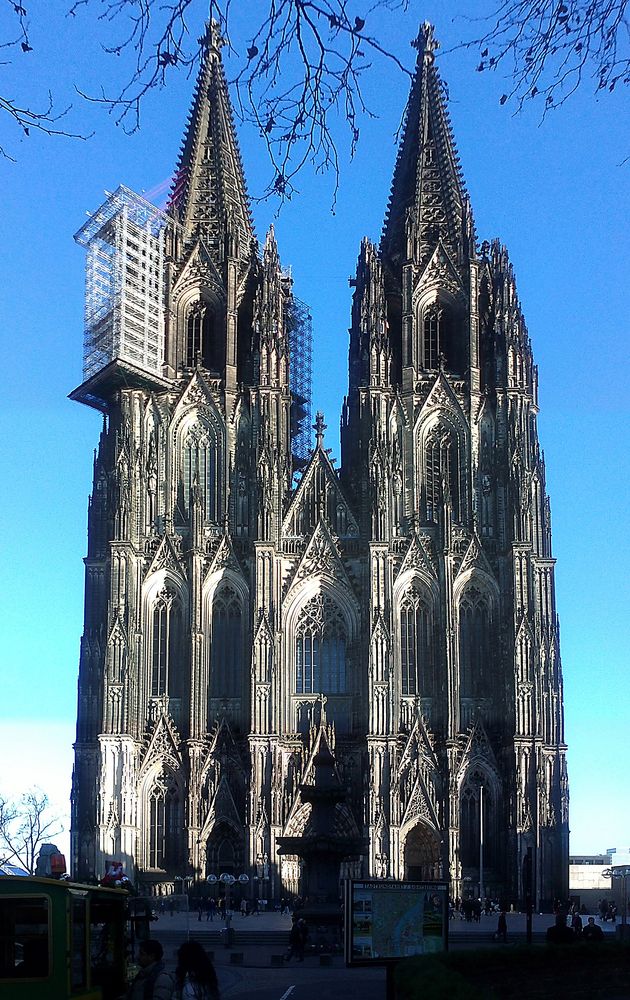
(319, 427)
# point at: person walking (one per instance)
(296, 941)
(195, 978)
(152, 981)
(502, 927)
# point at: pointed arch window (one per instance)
(200, 464)
(165, 823)
(431, 339)
(320, 648)
(474, 644)
(200, 336)
(415, 645)
(442, 472)
(226, 655)
(166, 637)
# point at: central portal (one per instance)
(422, 853)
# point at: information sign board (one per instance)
(386, 920)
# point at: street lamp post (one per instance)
(261, 877)
(228, 881)
(622, 872)
(481, 887)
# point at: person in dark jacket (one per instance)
(559, 933)
(152, 982)
(592, 932)
(296, 941)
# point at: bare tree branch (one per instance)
(301, 68)
(550, 46)
(24, 826)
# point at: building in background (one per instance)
(402, 608)
(587, 882)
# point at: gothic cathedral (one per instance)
(238, 612)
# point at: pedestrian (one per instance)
(576, 924)
(296, 942)
(195, 978)
(152, 981)
(559, 933)
(502, 927)
(592, 932)
(303, 928)
(243, 907)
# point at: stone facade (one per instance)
(405, 603)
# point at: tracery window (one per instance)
(442, 472)
(431, 340)
(474, 644)
(415, 645)
(166, 637)
(226, 657)
(200, 335)
(320, 648)
(165, 822)
(200, 461)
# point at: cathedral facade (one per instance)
(402, 608)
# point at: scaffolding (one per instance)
(300, 330)
(124, 285)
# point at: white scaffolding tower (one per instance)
(124, 286)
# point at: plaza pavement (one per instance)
(260, 940)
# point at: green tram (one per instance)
(63, 940)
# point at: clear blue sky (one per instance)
(556, 194)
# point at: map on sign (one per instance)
(391, 920)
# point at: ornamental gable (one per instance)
(163, 746)
(168, 557)
(440, 273)
(319, 494)
(199, 270)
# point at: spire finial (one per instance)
(319, 427)
(426, 43)
(212, 39)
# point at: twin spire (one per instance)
(428, 202)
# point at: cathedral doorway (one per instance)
(422, 853)
(224, 852)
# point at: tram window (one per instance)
(24, 937)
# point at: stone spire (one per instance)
(209, 195)
(428, 200)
